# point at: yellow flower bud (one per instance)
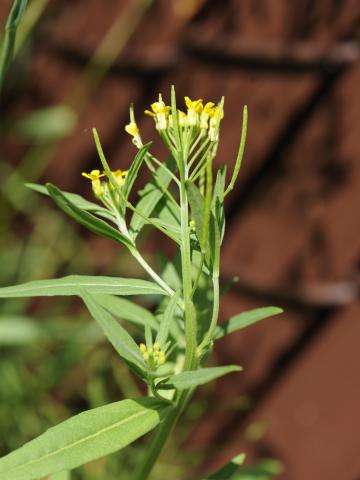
(96, 184)
(132, 129)
(120, 176)
(194, 109)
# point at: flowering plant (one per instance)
(185, 201)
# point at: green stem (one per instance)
(162, 434)
(215, 313)
(190, 362)
(189, 309)
(136, 254)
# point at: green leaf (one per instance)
(18, 330)
(47, 125)
(171, 271)
(8, 43)
(242, 320)
(240, 153)
(83, 438)
(150, 197)
(191, 379)
(94, 224)
(61, 476)
(77, 200)
(262, 470)
(127, 310)
(167, 319)
(218, 201)
(71, 285)
(227, 472)
(215, 244)
(116, 334)
(197, 205)
(175, 119)
(169, 226)
(134, 169)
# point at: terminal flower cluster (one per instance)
(153, 356)
(200, 121)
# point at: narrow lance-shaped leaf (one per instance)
(245, 319)
(148, 336)
(134, 169)
(70, 285)
(77, 200)
(215, 244)
(197, 206)
(83, 438)
(116, 334)
(61, 476)
(228, 470)
(262, 470)
(85, 218)
(240, 153)
(175, 117)
(208, 200)
(18, 330)
(127, 310)
(104, 162)
(47, 124)
(218, 201)
(8, 43)
(167, 320)
(191, 379)
(150, 197)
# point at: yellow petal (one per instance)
(132, 129)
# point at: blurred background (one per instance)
(293, 230)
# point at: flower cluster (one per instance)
(153, 356)
(101, 188)
(199, 117)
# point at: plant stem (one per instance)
(215, 313)
(136, 254)
(189, 309)
(161, 436)
(190, 363)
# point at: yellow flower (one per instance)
(120, 176)
(194, 109)
(153, 356)
(214, 120)
(182, 119)
(205, 114)
(194, 104)
(133, 130)
(93, 175)
(160, 112)
(96, 184)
